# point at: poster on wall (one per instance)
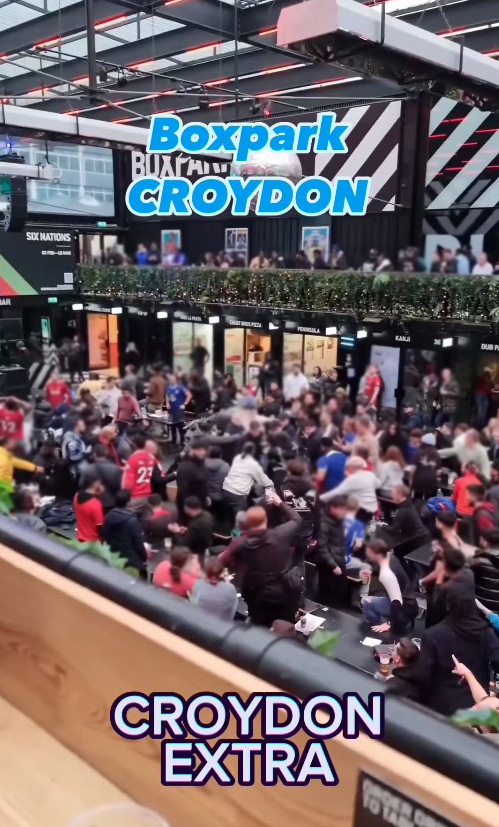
(171, 243)
(320, 352)
(387, 360)
(292, 351)
(37, 261)
(236, 242)
(203, 337)
(98, 341)
(313, 240)
(234, 354)
(182, 346)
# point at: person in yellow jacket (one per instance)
(9, 463)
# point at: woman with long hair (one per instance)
(317, 381)
(214, 593)
(392, 434)
(173, 575)
(391, 470)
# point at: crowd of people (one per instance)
(289, 492)
(461, 261)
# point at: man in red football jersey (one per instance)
(57, 391)
(88, 510)
(373, 387)
(138, 474)
(12, 418)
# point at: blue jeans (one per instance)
(377, 610)
(443, 416)
(482, 408)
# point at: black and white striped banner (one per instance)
(40, 372)
(373, 150)
(463, 161)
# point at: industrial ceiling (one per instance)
(202, 59)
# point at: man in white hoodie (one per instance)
(295, 384)
(359, 483)
(245, 472)
(470, 449)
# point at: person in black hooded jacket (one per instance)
(330, 552)
(467, 635)
(266, 554)
(192, 475)
(297, 490)
(407, 531)
(122, 532)
(485, 568)
(404, 680)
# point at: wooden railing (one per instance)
(67, 652)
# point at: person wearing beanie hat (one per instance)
(427, 465)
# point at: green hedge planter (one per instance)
(396, 296)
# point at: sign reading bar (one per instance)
(378, 804)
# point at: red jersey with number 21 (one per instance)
(138, 473)
(373, 384)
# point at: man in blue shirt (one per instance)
(177, 397)
(331, 466)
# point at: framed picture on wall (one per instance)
(313, 240)
(236, 242)
(171, 243)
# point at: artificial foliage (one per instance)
(384, 295)
(103, 552)
(485, 717)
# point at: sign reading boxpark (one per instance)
(37, 262)
(158, 194)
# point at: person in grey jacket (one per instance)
(359, 483)
(213, 593)
(24, 511)
(74, 448)
(469, 450)
(450, 394)
(109, 474)
(217, 470)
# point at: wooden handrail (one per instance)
(66, 653)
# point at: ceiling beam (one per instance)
(345, 96)
(248, 89)
(68, 21)
(217, 18)
(253, 21)
(161, 46)
(249, 62)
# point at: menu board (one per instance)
(378, 804)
